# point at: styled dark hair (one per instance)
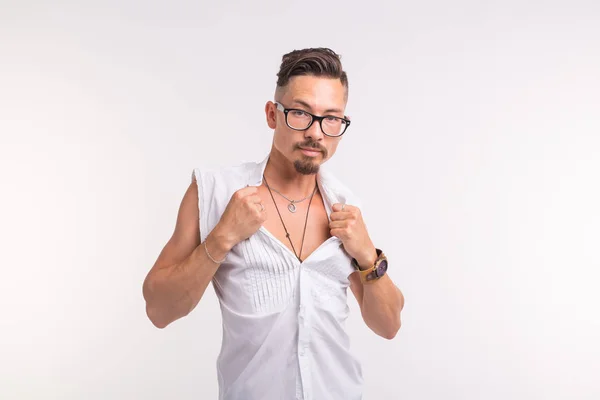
(319, 61)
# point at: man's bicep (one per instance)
(186, 236)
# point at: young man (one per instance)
(281, 240)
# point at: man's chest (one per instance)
(307, 227)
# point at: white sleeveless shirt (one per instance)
(284, 331)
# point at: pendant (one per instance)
(292, 207)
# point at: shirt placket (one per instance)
(304, 328)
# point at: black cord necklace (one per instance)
(287, 234)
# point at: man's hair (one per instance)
(320, 62)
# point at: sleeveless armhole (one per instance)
(197, 176)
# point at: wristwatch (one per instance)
(375, 272)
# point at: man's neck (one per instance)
(282, 176)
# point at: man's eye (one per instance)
(298, 113)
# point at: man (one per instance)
(281, 240)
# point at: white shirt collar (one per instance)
(333, 191)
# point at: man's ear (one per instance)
(270, 114)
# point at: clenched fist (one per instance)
(348, 225)
(242, 217)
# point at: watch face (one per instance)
(382, 268)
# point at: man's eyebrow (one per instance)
(305, 104)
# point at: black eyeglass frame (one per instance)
(314, 118)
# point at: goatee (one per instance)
(306, 167)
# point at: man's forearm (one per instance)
(382, 303)
(172, 292)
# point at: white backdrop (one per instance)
(474, 146)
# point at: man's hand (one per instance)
(243, 216)
(347, 224)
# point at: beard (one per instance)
(306, 166)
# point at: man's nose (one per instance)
(314, 131)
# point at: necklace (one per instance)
(292, 206)
(287, 234)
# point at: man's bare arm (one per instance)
(380, 304)
(180, 275)
(381, 301)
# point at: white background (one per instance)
(474, 146)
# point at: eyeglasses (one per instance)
(300, 120)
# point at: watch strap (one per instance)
(374, 272)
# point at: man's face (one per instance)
(316, 95)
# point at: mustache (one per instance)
(312, 145)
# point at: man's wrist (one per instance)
(219, 243)
(368, 260)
